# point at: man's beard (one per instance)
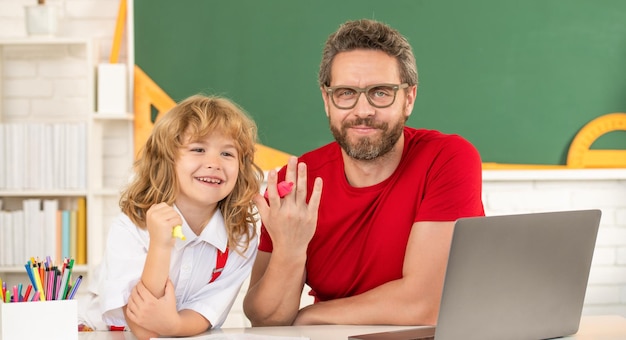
(367, 148)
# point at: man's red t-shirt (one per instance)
(362, 233)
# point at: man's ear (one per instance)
(326, 100)
(411, 94)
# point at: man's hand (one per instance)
(290, 220)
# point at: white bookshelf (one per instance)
(55, 62)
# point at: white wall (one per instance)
(77, 18)
(510, 192)
(504, 191)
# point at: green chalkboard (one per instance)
(516, 78)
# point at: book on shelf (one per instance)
(73, 233)
(58, 164)
(43, 156)
(47, 157)
(43, 227)
(65, 233)
(3, 165)
(81, 232)
(6, 228)
(34, 229)
(14, 155)
(10, 235)
(50, 208)
(59, 235)
(33, 137)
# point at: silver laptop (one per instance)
(514, 277)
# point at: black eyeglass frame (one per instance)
(395, 87)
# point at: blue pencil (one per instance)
(79, 279)
(29, 271)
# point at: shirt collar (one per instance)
(213, 233)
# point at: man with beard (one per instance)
(373, 244)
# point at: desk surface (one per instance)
(610, 327)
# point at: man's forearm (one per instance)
(275, 298)
(393, 303)
(280, 310)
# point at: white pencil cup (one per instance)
(50, 320)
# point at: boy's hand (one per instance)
(160, 220)
(157, 315)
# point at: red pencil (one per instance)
(27, 293)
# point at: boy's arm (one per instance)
(148, 316)
(143, 307)
(160, 219)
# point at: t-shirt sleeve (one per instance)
(265, 241)
(454, 183)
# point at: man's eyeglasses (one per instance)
(378, 95)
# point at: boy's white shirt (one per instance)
(191, 267)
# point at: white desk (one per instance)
(609, 327)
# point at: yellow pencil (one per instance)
(42, 296)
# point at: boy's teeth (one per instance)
(210, 180)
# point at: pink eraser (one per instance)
(283, 188)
